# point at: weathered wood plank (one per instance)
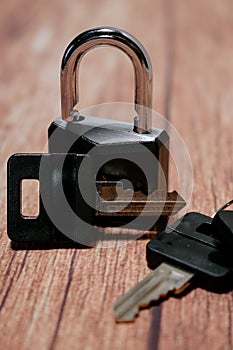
(62, 298)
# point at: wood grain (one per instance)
(62, 298)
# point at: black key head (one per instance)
(223, 225)
(190, 243)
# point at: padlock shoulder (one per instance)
(100, 131)
(116, 150)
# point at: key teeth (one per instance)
(145, 305)
(132, 318)
(128, 320)
(163, 281)
(126, 317)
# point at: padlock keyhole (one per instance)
(122, 169)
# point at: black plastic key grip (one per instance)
(190, 243)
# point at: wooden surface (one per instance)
(62, 298)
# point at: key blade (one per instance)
(114, 201)
(165, 278)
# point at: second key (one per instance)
(186, 253)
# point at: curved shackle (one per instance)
(108, 36)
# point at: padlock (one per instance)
(134, 152)
(81, 177)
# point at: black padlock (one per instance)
(80, 177)
(134, 152)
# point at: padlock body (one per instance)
(117, 151)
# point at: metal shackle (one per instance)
(108, 36)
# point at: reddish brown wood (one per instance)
(62, 298)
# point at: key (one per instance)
(118, 205)
(157, 284)
(109, 207)
(223, 223)
(186, 253)
(112, 197)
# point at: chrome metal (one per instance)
(108, 36)
(224, 206)
(164, 279)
